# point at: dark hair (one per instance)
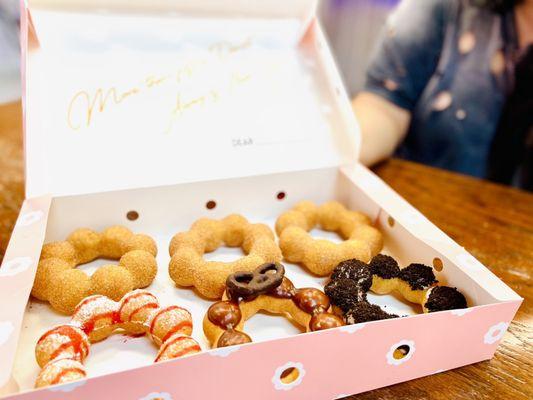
(499, 6)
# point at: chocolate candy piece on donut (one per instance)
(246, 285)
(324, 320)
(266, 288)
(224, 314)
(311, 300)
(232, 338)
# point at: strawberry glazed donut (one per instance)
(361, 240)
(61, 351)
(188, 268)
(58, 282)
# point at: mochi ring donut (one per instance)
(61, 351)
(188, 268)
(59, 282)
(267, 289)
(362, 240)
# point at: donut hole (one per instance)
(225, 254)
(132, 215)
(269, 269)
(318, 233)
(244, 278)
(211, 204)
(391, 221)
(267, 326)
(401, 352)
(437, 264)
(289, 375)
(92, 266)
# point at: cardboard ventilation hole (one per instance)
(289, 375)
(401, 351)
(132, 215)
(437, 264)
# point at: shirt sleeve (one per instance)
(408, 51)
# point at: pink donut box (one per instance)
(233, 102)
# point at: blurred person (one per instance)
(451, 85)
(9, 50)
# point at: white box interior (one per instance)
(121, 100)
(164, 211)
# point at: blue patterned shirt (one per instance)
(448, 63)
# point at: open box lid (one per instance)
(125, 94)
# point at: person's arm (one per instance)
(406, 58)
(383, 126)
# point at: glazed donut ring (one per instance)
(267, 289)
(188, 268)
(60, 352)
(361, 239)
(352, 279)
(58, 282)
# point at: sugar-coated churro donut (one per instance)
(188, 268)
(267, 289)
(61, 351)
(352, 279)
(361, 239)
(57, 282)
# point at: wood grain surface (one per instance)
(493, 222)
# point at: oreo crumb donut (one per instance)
(363, 311)
(61, 351)
(349, 283)
(441, 298)
(352, 279)
(412, 282)
(361, 239)
(266, 288)
(188, 268)
(344, 293)
(58, 282)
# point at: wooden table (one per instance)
(494, 223)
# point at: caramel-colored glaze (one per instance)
(232, 338)
(285, 291)
(311, 300)
(324, 320)
(224, 314)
